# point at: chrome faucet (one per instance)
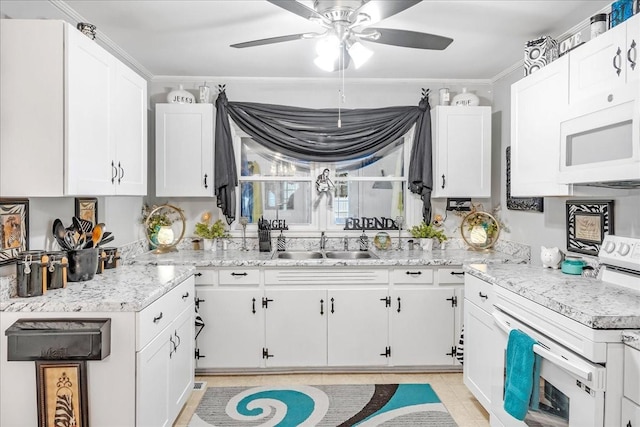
(323, 241)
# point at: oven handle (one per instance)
(572, 367)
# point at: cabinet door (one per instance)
(478, 352)
(89, 91)
(296, 327)
(630, 416)
(152, 381)
(599, 66)
(422, 325)
(130, 132)
(537, 103)
(462, 151)
(184, 150)
(181, 366)
(358, 327)
(233, 335)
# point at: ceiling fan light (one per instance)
(325, 63)
(328, 47)
(359, 54)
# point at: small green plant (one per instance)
(215, 231)
(159, 219)
(424, 231)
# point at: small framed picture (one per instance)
(62, 393)
(14, 229)
(458, 204)
(588, 221)
(87, 209)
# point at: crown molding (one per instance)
(103, 40)
(381, 81)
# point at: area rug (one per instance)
(415, 405)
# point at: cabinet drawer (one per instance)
(412, 276)
(153, 319)
(632, 374)
(239, 276)
(479, 292)
(205, 276)
(450, 275)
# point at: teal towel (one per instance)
(520, 374)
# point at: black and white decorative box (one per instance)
(539, 53)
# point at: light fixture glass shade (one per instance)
(358, 53)
(326, 63)
(328, 47)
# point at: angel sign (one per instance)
(324, 186)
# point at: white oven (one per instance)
(571, 388)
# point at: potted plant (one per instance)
(210, 233)
(155, 219)
(426, 233)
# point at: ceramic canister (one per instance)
(83, 264)
(31, 273)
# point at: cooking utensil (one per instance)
(106, 240)
(59, 232)
(86, 226)
(96, 234)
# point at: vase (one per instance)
(466, 99)
(165, 236)
(426, 244)
(153, 238)
(180, 96)
(210, 244)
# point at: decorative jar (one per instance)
(180, 96)
(466, 99)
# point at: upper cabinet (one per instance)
(461, 151)
(184, 150)
(74, 118)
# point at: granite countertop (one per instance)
(631, 338)
(126, 288)
(234, 258)
(590, 301)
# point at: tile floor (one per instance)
(462, 406)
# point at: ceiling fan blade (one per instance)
(299, 9)
(270, 40)
(413, 39)
(379, 10)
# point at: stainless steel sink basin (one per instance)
(298, 255)
(350, 254)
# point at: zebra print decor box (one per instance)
(539, 53)
(588, 221)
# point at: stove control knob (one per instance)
(609, 247)
(623, 249)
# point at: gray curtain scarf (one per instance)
(313, 135)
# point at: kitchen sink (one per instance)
(350, 254)
(298, 255)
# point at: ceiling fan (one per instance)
(346, 23)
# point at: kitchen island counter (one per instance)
(122, 289)
(589, 301)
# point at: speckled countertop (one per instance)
(589, 301)
(233, 258)
(631, 338)
(126, 288)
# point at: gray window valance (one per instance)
(314, 135)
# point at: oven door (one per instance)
(571, 388)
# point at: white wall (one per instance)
(549, 228)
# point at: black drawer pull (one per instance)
(414, 273)
(239, 274)
(483, 296)
(198, 274)
(399, 303)
(185, 296)
(253, 305)
(321, 307)
(157, 318)
(457, 273)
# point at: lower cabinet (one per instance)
(631, 400)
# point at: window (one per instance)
(275, 186)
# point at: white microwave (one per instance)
(600, 141)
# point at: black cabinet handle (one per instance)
(122, 172)
(632, 49)
(321, 307)
(443, 180)
(185, 296)
(629, 424)
(175, 333)
(457, 273)
(205, 181)
(115, 172)
(331, 305)
(618, 65)
(157, 318)
(398, 304)
(198, 274)
(173, 346)
(239, 274)
(414, 273)
(483, 296)
(253, 305)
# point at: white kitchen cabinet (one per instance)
(422, 327)
(164, 365)
(358, 327)
(184, 150)
(605, 63)
(538, 101)
(296, 327)
(90, 111)
(461, 151)
(478, 339)
(233, 335)
(630, 416)
(631, 401)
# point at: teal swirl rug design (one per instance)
(366, 405)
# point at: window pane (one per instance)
(387, 162)
(288, 200)
(367, 198)
(258, 160)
